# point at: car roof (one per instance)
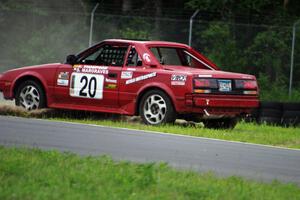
(148, 42)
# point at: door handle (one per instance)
(112, 75)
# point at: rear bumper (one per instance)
(225, 102)
(221, 105)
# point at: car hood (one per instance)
(51, 65)
(206, 73)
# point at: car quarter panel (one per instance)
(2, 83)
(44, 74)
(142, 79)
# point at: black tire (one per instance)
(291, 118)
(291, 114)
(287, 122)
(269, 112)
(269, 120)
(37, 96)
(272, 105)
(223, 123)
(291, 106)
(150, 112)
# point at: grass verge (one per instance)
(244, 132)
(36, 174)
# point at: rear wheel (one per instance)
(30, 95)
(223, 123)
(156, 108)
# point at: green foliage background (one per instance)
(251, 36)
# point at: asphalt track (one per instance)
(201, 154)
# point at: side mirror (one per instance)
(71, 59)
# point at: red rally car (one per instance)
(160, 81)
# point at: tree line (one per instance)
(249, 36)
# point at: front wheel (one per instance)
(223, 123)
(30, 95)
(156, 108)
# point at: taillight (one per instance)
(205, 83)
(202, 85)
(225, 86)
(246, 84)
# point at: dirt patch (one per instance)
(55, 113)
(11, 110)
(6, 102)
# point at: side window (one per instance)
(178, 57)
(170, 56)
(109, 55)
(166, 55)
(133, 58)
(156, 53)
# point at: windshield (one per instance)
(178, 57)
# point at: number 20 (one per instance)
(91, 84)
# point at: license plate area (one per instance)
(224, 85)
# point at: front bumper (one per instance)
(1, 83)
(5, 87)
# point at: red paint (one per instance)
(123, 97)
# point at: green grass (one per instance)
(243, 132)
(35, 174)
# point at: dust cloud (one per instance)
(36, 31)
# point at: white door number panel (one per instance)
(87, 85)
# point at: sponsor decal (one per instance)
(178, 78)
(87, 85)
(77, 68)
(63, 75)
(63, 79)
(146, 57)
(126, 74)
(204, 75)
(177, 83)
(62, 82)
(111, 86)
(140, 78)
(110, 80)
(91, 69)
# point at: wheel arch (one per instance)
(26, 77)
(148, 88)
